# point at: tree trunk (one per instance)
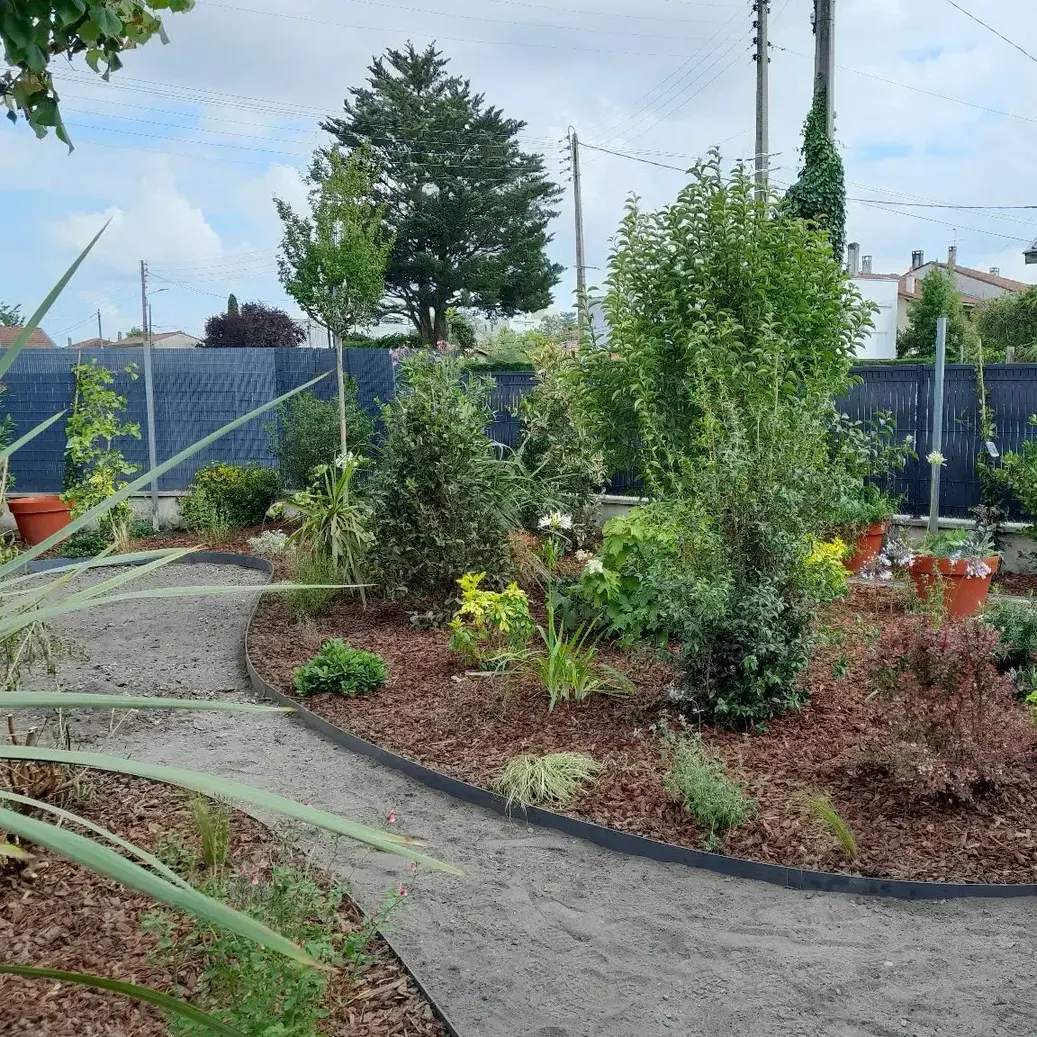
(426, 332)
(439, 325)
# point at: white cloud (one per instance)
(157, 223)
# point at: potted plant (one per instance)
(865, 456)
(959, 564)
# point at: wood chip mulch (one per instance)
(58, 915)
(469, 726)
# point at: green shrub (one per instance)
(652, 572)
(550, 780)
(563, 455)
(699, 778)
(438, 510)
(84, 544)
(1016, 652)
(306, 434)
(224, 496)
(316, 598)
(490, 624)
(338, 668)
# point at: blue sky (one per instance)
(186, 147)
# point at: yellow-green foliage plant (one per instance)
(490, 625)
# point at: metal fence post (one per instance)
(937, 432)
(149, 397)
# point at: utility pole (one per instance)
(824, 59)
(762, 58)
(100, 334)
(149, 391)
(581, 263)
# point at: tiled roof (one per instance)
(39, 339)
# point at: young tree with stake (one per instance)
(333, 262)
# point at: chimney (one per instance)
(909, 284)
(917, 259)
(70, 341)
(996, 271)
(952, 258)
(866, 264)
(853, 258)
(119, 339)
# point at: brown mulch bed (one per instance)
(1018, 584)
(469, 726)
(58, 915)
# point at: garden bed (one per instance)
(469, 726)
(57, 914)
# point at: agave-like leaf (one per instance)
(10, 624)
(100, 700)
(167, 1002)
(225, 788)
(110, 837)
(103, 861)
(32, 323)
(100, 560)
(92, 514)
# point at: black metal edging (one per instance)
(260, 565)
(638, 845)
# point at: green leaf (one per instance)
(111, 837)
(107, 21)
(90, 31)
(102, 861)
(99, 700)
(9, 354)
(170, 1004)
(210, 785)
(35, 58)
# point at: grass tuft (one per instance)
(824, 812)
(550, 780)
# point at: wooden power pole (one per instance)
(762, 59)
(824, 59)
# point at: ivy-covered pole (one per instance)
(824, 60)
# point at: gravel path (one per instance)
(547, 936)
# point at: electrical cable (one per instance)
(990, 28)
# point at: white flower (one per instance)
(594, 566)
(936, 458)
(909, 440)
(344, 460)
(555, 520)
(583, 556)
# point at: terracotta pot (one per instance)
(40, 516)
(867, 546)
(962, 594)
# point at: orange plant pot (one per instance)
(962, 594)
(867, 546)
(39, 517)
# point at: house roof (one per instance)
(875, 277)
(966, 300)
(39, 339)
(1009, 284)
(127, 340)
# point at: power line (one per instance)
(916, 89)
(938, 205)
(990, 28)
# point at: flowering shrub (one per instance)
(341, 669)
(948, 705)
(489, 624)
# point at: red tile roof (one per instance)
(39, 339)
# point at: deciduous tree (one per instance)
(255, 326)
(468, 208)
(937, 299)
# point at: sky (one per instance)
(188, 144)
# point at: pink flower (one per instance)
(391, 817)
(413, 865)
(403, 891)
(307, 802)
(255, 880)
